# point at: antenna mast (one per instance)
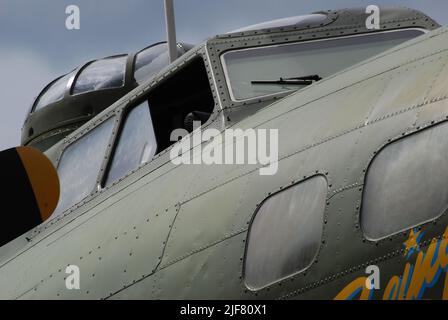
(170, 29)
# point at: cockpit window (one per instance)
(320, 57)
(183, 99)
(137, 144)
(147, 129)
(80, 165)
(150, 61)
(54, 91)
(102, 74)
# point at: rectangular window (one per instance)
(80, 165)
(136, 146)
(320, 57)
(106, 73)
(286, 233)
(181, 99)
(406, 184)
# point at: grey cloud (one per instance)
(35, 47)
(22, 78)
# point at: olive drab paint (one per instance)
(167, 231)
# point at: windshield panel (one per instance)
(137, 144)
(102, 74)
(322, 57)
(80, 165)
(150, 61)
(55, 91)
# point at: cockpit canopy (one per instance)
(73, 99)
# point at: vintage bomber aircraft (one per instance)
(361, 179)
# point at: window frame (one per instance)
(261, 47)
(254, 215)
(370, 162)
(81, 69)
(181, 50)
(130, 105)
(67, 90)
(120, 113)
(124, 115)
(134, 59)
(67, 143)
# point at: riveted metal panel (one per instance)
(138, 244)
(211, 264)
(203, 275)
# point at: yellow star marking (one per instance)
(411, 243)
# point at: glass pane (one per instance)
(406, 184)
(311, 20)
(150, 61)
(322, 57)
(54, 92)
(102, 74)
(285, 235)
(80, 165)
(137, 144)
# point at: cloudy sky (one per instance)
(36, 47)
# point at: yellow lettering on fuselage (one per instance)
(425, 273)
